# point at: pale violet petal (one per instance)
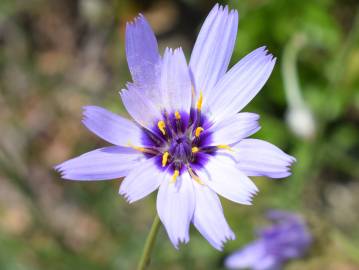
(208, 217)
(175, 207)
(222, 176)
(100, 164)
(111, 127)
(141, 108)
(260, 158)
(142, 51)
(268, 262)
(234, 128)
(240, 84)
(175, 82)
(246, 257)
(141, 180)
(213, 48)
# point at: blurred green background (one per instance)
(57, 56)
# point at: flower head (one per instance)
(188, 139)
(287, 238)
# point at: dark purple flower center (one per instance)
(179, 142)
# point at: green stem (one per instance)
(150, 242)
(289, 70)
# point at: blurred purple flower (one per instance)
(188, 139)
(287, 238)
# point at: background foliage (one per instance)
(57, 56)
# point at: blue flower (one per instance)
(288, 238)
(188, 139)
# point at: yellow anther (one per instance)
(177, 115)
(195, 149)
(224, 146)
(174, 176)
(194, 176)
(165, 158)
(200, 100)
(138, 148)
(142, 149)
(162, 127)
(198, 131)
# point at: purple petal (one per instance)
(260, 158)
(101, 164)
(208, 217)
(247, 257)
(111, 127)
(213, 49)
(235, 128)
(222, 176)
(288, 237)
(141, 181)
(175, 81)
(139, 106)
(240, 84)
(175, 207)
(142, 51)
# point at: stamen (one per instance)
(165, 158)
(195, 149)
(138, 148)
(174, 176)
(193, 92)
(224, 146)
(194, 176)
(200, 100)
(162, 127)
(142, 149)
(177, 115)
(198, 131)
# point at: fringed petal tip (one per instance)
(126, 196)
(64, 174)
(60, 169)
(265, 55)
(138, 19)
(220, 9)
(173, 51)
(63, 169)
(249, 200)
(265, 52)
(229, 236)
(180, 241)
